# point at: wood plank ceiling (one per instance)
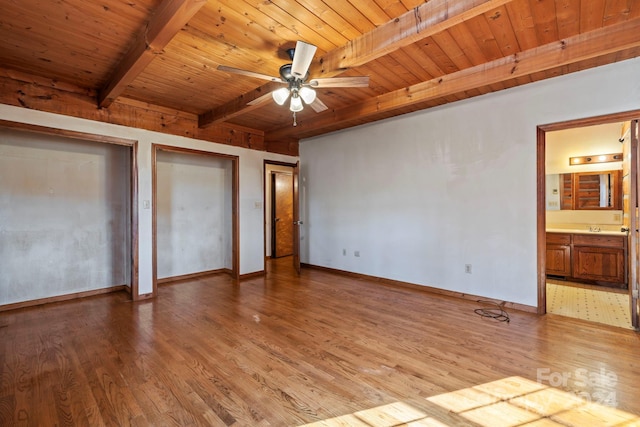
(142, 56)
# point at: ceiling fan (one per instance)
(296, 78)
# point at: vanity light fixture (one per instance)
(598, 158)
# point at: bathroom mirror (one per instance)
(585, 191)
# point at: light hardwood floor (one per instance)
(322, 348)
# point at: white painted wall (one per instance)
(583, 141)
(64, 216)
(194, 213)
(251, 166)
(552, 192)
(421, 195)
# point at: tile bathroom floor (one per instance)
(602, 305)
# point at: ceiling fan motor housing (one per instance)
(285, 73)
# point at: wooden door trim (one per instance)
(134, 222)
(133, 195)
(297, 222)
(272, 213)
(85, 136)
(633, 224)
(540, 196)
(541, 221)
(235, 188)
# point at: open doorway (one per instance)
(195, 206)
(584, 197)
(69, 216)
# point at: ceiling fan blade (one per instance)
(249, 73)
(360, 81)
(318, 106)
(302, 59)
(261, 99)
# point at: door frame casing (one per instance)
(264, 202)
(634, 301)
(296, 218)
(540, 182)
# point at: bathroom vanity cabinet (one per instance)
(559, 254)
(588, 257)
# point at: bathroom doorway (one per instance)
(585, 255)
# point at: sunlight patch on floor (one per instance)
(510, 402)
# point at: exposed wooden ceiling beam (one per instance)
(419, 23)
(606, 40)
(170, 17)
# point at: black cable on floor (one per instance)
(497, 312)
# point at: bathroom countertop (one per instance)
(586, 231)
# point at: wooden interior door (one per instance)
(296, 219)
(634, 232)
(282, 217)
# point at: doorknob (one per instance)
(276, 220)
(297, 222)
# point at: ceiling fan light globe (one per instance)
(307, 94)
(296, 104)
(280, 95)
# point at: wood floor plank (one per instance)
(319, 348)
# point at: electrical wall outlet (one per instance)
(344, 252)
(467, 268)
(356, 253)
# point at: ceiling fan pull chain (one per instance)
(295, 123)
